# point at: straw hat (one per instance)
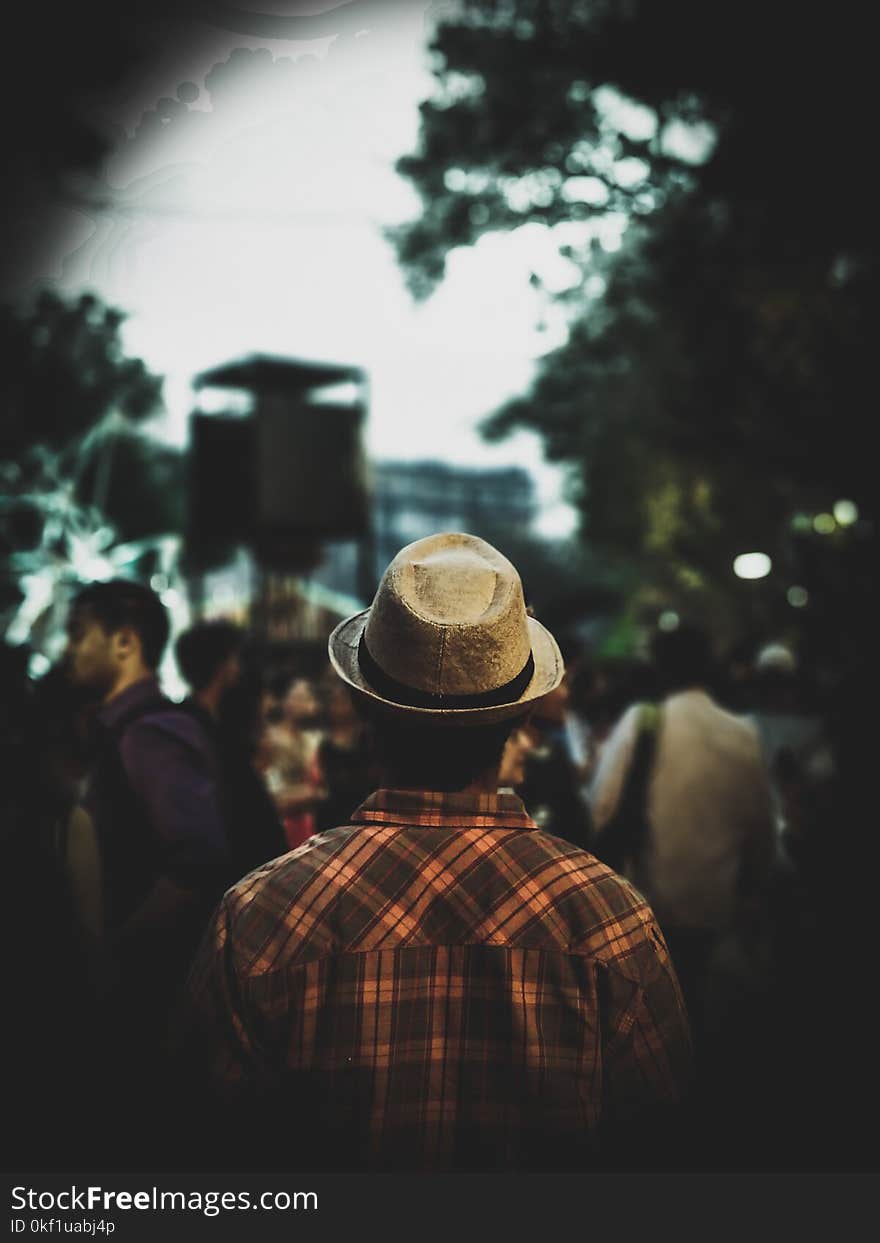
(447, 639)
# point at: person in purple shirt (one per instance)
(152, 793)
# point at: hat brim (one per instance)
(343, 646)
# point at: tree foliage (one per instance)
(66, 369)
(76, 463)
(717, 388)
(521, 113)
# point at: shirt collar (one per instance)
(436, 808)
(139, 692)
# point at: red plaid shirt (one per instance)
(437, 985)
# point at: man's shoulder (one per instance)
(518, 889)
(289, 872)
(164, 725)
(608, 918)
(700, 710)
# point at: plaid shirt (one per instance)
(437, 985)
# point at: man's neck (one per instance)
(487, 783)
(127, 679)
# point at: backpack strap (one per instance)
(639, 775)
(623, 837)
(147, 707)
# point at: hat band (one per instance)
(411, 697)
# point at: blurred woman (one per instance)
(288, 758)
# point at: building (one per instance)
(413, 499)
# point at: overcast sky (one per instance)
(246, 199)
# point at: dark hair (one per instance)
(123, 603)
(435, 757)
(201, 650)
(683, 657)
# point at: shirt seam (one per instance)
(568, 950)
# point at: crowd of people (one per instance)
(451, 903)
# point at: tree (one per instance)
(66, 370)
(527, 110)
(79, 473)
(716, 389)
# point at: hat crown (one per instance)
(449, 617)
(450, 586)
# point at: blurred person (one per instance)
(288, 757)
(708, 848)
(269, 710)
(797, 750)
(62, 724)
(802, 769)
(438, 984)
(555, 769)
(153, 795)
(208, 655)
(599, 691)
(153, 789)
(49, 920)
(582, 685)
(604, 691)
(344, 759)
(517, 749)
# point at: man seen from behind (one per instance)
(438, 985)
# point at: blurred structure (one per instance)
(277, 468)
(277, 458)
(414, 499)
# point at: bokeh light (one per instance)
(846, 513)
(752, 565)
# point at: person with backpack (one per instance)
(681, 806)
(225, 704)
(152, 792)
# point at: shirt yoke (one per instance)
(368, 888)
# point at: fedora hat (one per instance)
(447, 639)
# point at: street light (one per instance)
(752, 565)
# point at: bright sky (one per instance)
(251, 221)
